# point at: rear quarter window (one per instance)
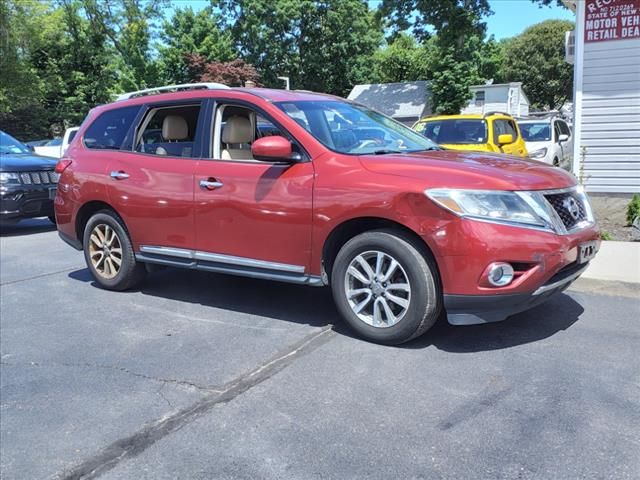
(110, 129)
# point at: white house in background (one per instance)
(605, 51)
(406, 102)
(500, 97)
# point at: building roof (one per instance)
(492, 85)
(399, 100)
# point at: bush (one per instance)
(605, 236)
(633, 210)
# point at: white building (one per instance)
(606, 94)
(501, 97)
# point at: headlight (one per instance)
(9, 177)
(514, 208)
(538, 153)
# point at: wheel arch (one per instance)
(348, 229)
(87, 211)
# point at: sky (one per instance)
(510, 17)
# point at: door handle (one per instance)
(210, 183)
(119, 175)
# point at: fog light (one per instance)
(500, 274)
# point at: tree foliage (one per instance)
(322, 45)
(234, 73)
(60, 58)
(188, 32)
(536, 58)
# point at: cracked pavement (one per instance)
(198, 375)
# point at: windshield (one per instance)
(535, 132)
(353, 129)
(454, 131)
(8, 144)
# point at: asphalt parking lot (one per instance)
(205, 376)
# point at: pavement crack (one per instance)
(159, 392)
(131, 446)
(183, 383)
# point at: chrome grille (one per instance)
(45, 177)
(569, 208)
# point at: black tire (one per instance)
(425, 300)
(130, 272)
(556, 162)
(52, 218)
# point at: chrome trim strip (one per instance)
(169, 251)
(247, 262)
(570, 278)
(220, 258)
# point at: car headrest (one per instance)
(174, 127)
(237, 130)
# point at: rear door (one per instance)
(151, 182)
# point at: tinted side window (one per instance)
(169, 131)
(109, 130)
(564, 128)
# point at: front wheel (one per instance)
(385, 288)
(109, 253)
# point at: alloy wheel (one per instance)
(105, 251)
(377, 289)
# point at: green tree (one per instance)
(54, 68)
(404, 59)
(536, 58)
(323, 45)
(129, 25)
(188, 32)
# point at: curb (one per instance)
(617, 261)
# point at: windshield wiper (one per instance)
(385, 152)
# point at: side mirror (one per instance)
(563, 137)
(505, 138)
(274, 148)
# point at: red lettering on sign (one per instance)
(611, 20)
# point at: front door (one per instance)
(151, 185)
(508, 127)
(252, 213)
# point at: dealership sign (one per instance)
(611, 20)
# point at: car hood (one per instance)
(471, 170)
(20, 162)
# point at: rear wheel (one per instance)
(385, 288)
(109, 253)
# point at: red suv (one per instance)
(312, 189)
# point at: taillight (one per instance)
(62, 165)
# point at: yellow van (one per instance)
(491, 132)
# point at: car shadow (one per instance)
(315, 307)
(26, 227)
(558, 313)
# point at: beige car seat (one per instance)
(237, 133)
(174, 128)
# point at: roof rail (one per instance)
(172, 88)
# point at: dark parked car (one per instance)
(27, 182)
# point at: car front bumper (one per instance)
(26, 202)
(476, 309)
